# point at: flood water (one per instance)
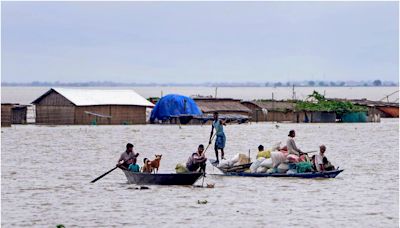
(46, 173)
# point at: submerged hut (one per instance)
(271, 110)
(228, 108)
(88, 106)
(6, 114)
(222, 106)
(19, 114)
(285, 111)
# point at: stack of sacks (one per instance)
(282, 168)
(181, 168)
(243, 159)
(279, 161)
(277, 158)
(264, 165)
(254, 166)
(224, 164)
(238, 159)
(293, 158)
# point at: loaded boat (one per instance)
(161, 178)
(240, 170)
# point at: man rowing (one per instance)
(291, 144)
(220, 140)
(197, 161)
(128, 157)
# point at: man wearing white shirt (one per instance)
(318, 160)
(291, 144)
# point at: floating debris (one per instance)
(202, 201)
(210, 185)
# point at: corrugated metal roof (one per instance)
(87, 97)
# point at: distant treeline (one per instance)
(209, 84)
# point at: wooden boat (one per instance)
(326, 174)
(240, 171)
(161, 178)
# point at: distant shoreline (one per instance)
(212, 85)
(124, 86)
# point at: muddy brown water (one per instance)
(46, 172)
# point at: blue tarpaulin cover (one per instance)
(174, 105)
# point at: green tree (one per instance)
(377, 83)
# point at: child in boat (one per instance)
(327, 164)
(133, 167)
(263, 153)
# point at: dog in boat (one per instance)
(146, 168)
(155, 164)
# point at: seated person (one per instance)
(197, 161)
(319, 163)
(263, 153)
(128, 157)
(133, 167)
(327, 164)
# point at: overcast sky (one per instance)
(199, 41)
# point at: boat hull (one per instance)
(161, 178)
(326, 174)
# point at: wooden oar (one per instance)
(98, 178)
(202, 183)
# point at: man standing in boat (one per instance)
(128, 157)
(291, 144)
(220, 140)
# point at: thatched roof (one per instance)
(272, 105)
(208, 105)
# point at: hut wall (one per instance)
(54, 109)
(374, 114)
(83, 118)
(280, 116)
(46, 114)
(300, 117)
(120, 114)
(19, 115)
(323, 117)
(259, 116)
(6, 115)
(128, 114)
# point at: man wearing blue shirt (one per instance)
(220, 140)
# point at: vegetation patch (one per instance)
(322, 105)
